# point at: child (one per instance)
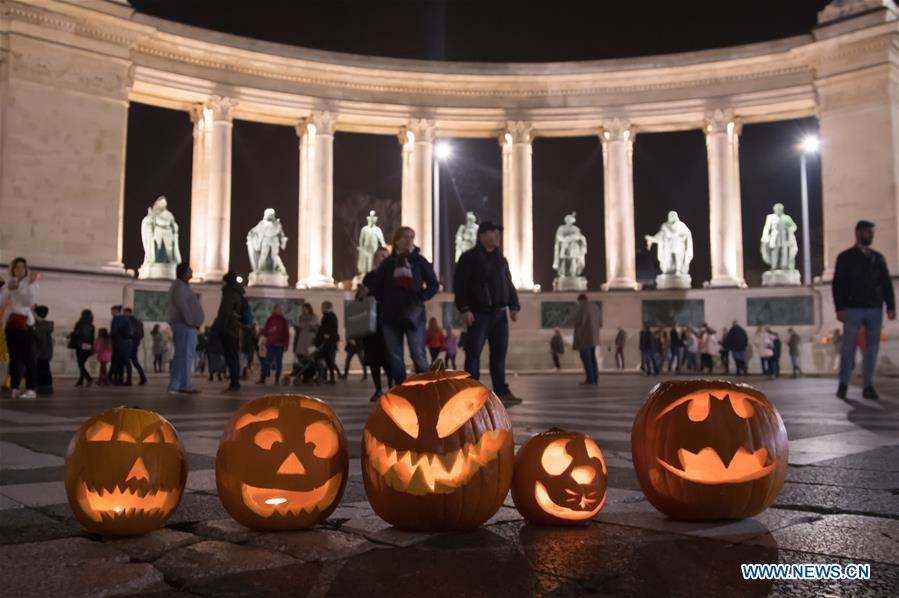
(43, 336)
(103, 351)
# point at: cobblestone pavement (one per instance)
(840, 504)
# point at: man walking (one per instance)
(861, 285)
(137, 336)
(484, 294)
(120, 331)
(586, 337)
(736, 340)
(793, 342)
(185, 318)
(620, 342)
(227, 325)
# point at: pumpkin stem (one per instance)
(437, 365)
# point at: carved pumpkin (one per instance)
(282, 463)
(560, 478)
(125, 472)
(709, 449)
(437, 452)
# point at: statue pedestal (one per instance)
(157, 271)
(674, 281)
(781, 278)
(267, 279)
(570, 283)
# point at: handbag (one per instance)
(361, 318)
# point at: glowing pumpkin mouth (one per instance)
(585, 504)
(430, 473)
(121, 501)
(706, 466)
(265, 502)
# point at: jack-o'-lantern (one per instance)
(125, 472)
(437, 452)
(709, 449)
(282, 463)
(560, 478)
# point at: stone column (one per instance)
(518, 200)
(617, 138)
(201, 117)
(722, 134)
(418, 182)
(316, 210)
(210, 235)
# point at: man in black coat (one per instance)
(736, 342)
(121, 334)
(137, 336)
(484, 294)
(861, 285)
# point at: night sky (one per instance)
(670, 169)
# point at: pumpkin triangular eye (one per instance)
(460, 409)
(99, 431)
(401, 412)
(124, 436)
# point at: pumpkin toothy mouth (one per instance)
(122, 501)
(706, 466)
(430, 473)
(265, 502)
(585, 504)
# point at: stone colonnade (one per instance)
(210, 202)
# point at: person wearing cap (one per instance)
(484, 294)
(861, 285)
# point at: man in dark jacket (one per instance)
(402, 284)
(137, 336)
(326, 339)
(227, 326)
(484, 293)
(736, 342)
(646, 361)
(861, 285)
(120, 331)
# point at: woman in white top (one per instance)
(22, 292)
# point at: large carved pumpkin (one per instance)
(437, 452)
(709, 449)
(560, 478)
(282, 463)
(125, 472)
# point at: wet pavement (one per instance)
(840, 504)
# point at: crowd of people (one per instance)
(401, 282)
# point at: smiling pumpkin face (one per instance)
(709, 449)
(125, 472)
(282, 463)
(560, 478)
(437, 453)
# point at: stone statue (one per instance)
(265, 241)
(370, 239)
(159, 234)
(466, 234)
(569, 256)
(675, 252)
(779, 248)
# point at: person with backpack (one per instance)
(232, 311)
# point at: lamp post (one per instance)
(809, 145)
(442, 151)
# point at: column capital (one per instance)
(220, 108)
(721, 121)
(617, 129)
(518, 131)
(421, 129)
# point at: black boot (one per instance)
(870, 393)
(841, 391)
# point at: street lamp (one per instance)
(442, 151)
(809, 146)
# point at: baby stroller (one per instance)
(308, 369)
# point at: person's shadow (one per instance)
(875, 416)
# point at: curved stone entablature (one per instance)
(177, 65)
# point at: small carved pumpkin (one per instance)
(125, 472)
(709, 449)
(560, 478)
(282, 463)
(437, 452)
